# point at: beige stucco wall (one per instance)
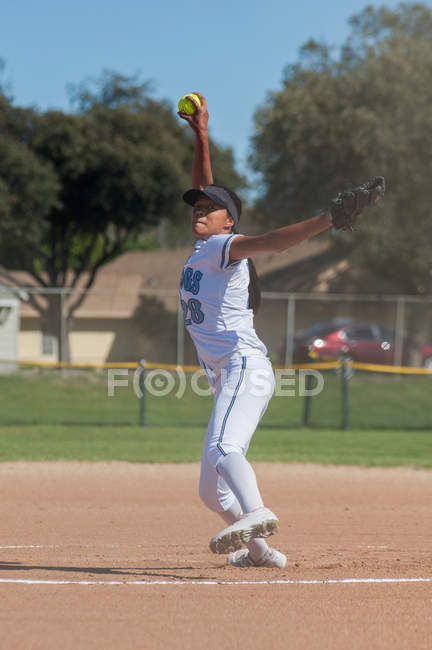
(30, 347)
(85, 347)
(152, 336)
(90, 347)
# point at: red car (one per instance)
(363, 342)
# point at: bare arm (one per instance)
(279, 240)
(201, 171)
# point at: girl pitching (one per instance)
(219, 296)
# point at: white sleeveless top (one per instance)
(215, 297)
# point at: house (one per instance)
(132, 309)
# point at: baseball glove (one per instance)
(347, 205)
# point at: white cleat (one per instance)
(272, 559)
(259, 523)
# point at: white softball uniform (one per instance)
(214, 296)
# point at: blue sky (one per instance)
(232, 52)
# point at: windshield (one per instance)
(318, 330)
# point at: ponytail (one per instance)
(254, 288)
(254, 284)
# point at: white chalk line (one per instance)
(192, 582)
(30, 546)
(147, 583)
(376, 547)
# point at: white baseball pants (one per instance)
(242, 390)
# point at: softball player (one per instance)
(218, 295)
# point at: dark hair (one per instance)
(254, 288)
(254, 284)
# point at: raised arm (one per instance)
(201, 171)
(279, 240)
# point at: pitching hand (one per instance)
(199, 120)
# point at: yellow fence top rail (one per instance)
(329, 365)
(400, 370)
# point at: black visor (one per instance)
(217, 194)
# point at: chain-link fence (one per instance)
(113, 326)
(327, 395)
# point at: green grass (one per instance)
(376, 401)
(183, 444)
(48, 416)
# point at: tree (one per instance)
(340, 119)
(87, 186)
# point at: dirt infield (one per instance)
(115, 555)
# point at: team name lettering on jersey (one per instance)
(190, 280)
(214, 296)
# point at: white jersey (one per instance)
(215, 300)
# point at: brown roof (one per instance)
(161, 269)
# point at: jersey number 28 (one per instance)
(192, 307)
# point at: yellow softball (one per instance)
(186, 106)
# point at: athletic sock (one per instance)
(232, 514)
(257, 547)
(240, 477)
